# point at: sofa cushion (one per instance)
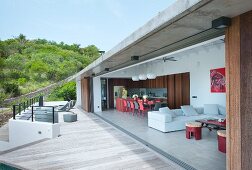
(189, 110)
(159, 116)
(178, 112)
(166, 110)
(222, 110)
(211, 109)
(199, 110)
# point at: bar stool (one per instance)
(222, 140)
(193, 129)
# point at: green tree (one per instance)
(21, 40)
(26, 65)
(91, 51)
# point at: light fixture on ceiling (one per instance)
(134, 58)
(221, 22)
(151, 76)
(101, 52)
(135, 78)
(142, 77)
(169, 59)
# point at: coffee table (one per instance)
(212, 124)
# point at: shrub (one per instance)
(66, 92)
(22, 81)
(12, 89)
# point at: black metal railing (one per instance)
(18, 108)
(43, 114)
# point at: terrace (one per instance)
(88, 143)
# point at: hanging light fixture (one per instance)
(142, 77)
(135, 78)
(151, 76)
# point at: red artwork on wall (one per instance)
(218, 80)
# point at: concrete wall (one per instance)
(97, 94)
(22, 132)
(78, 93)
(198, 62)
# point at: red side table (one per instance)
(222, 140)
(193, 129)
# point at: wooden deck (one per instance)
(4, 133)
(89, 143)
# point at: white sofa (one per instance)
(166, 120)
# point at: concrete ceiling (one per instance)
(185, 23)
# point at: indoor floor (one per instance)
(200, 154)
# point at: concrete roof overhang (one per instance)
(184, 23)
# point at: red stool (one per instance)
(193, 129)
(222, 140)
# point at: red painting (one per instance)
(218, 80)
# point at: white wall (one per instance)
(97, 94)
(22, 132)
(198, 62)
(78, 92)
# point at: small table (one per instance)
(212, 124)
(222, 140)
(193, 129)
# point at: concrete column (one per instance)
(97, 94)
(78, 92)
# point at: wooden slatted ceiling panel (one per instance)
(178, 88)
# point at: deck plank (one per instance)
(89, 143)
(4, 133)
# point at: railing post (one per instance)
(14, 112)
(32, 113)
(53, 115)
(19, 108)
(24, 106)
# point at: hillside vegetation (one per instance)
(26, 65)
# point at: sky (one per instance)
(103, 23)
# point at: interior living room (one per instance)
(176, 80)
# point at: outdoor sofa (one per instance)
(166, 120)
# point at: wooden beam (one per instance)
(171, 91)
(239, 92)
(85, 94)
(246, 90)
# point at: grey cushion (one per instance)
(211, 109)
(189, 110)
(222, 110)
(69, 117)
(167, 111)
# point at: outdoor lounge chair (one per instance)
(65, 108)
(72, 104)
(25, 116)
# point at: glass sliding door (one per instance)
(104, 94)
